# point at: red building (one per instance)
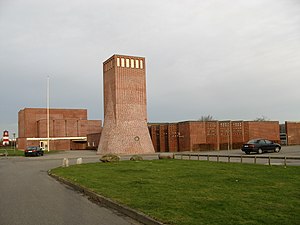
(68, 128)
(210, 135)
(292, 133)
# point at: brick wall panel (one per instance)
(293, 133)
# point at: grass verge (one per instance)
(15, 152)
(10, 151)
(196, 192)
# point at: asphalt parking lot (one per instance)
(238, 156)
(91, 156)
(285, 150)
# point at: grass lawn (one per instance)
(16, 152)
(197, 192)
(10, 151)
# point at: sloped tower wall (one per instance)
(125, 128)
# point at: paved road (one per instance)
(28, 196)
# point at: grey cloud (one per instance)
(233, 60)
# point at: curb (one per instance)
(101, 200)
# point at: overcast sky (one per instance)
(236, 60)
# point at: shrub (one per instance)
(136, 158)
(110, 158)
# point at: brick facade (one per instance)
(292, 133)
(214, 135)
(210, 135)
(125, 111)
(93, 141)
(64, 123)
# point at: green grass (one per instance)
(16, 152)
(197, 192)
(10, 151)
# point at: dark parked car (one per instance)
(33, 151)
(260, 145)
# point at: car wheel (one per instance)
(247, 152)
(259, 151)
(277, 149)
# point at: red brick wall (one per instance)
(184, 140)
(93, 140)
(264, 129)
(224, 135)
(173, 137)
(28, 118)
(293, 133)
(212, 135)
(163, 137)
(32, 123)
(59, 128)
(42, 129)
(72, 128)
(154, 136)
(21, 123)
(82, 128)
(154, 130)
(197, 135)
(237, 134)
(54, 145)
(237, 128)
(69, 128)
(94, 126)
(60, 145)
(21, 143)
(76, 145)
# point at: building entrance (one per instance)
(44, 145)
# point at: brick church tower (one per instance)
(125, 128)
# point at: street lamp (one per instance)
(14, 142)
(48, 113)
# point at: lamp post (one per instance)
(14, 142)
(48, 113)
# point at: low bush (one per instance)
(110, 158)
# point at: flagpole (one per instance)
(48, 113)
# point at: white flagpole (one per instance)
(48, 113)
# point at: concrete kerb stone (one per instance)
(101, 200)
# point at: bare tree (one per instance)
(262, 118)
(206, 118)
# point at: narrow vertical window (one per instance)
(118, 62)
(141, 64)
(137, 64)
(122, 62)
(127, 63)
(132, 63)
